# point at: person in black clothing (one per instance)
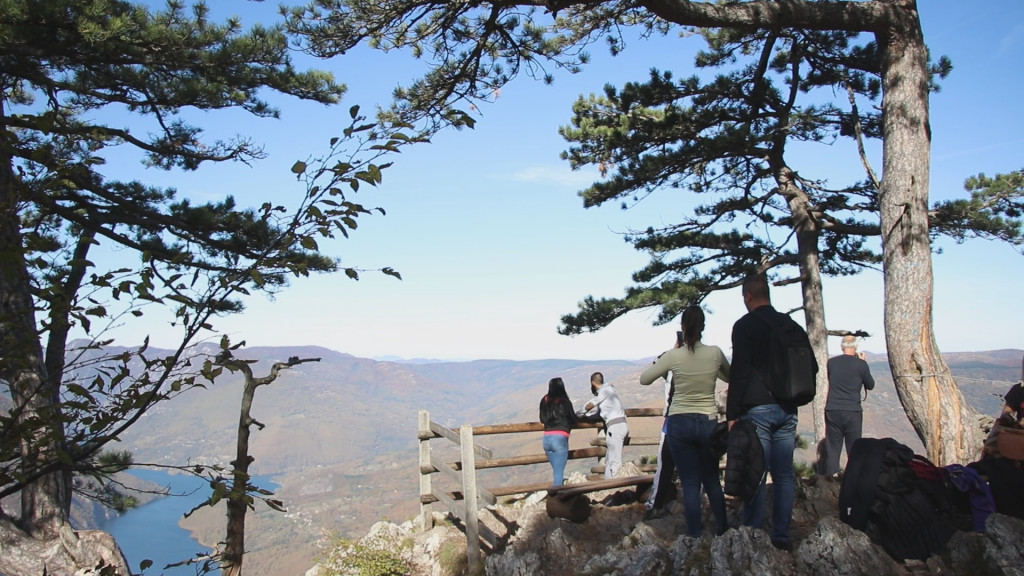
(750, 399)
(559, 418)
(844, 418)
(1013, 406)
(1011, 416)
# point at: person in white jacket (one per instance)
(607, 403)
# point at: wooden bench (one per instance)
(564, 501)
(569, 490)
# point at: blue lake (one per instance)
(152, 532)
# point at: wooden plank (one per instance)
(497, 492)
(520, 489)
(530, 459)
(454, 507)
(512, 490)
(454, 437)
(436, 496)
(488, 536)
(568, 490)
(643, 412)
(630, 441)
(443, 432)
(486, 496)
(472, 521)
(426, 519)
(518, 427)
(447, 470)
(514, 428)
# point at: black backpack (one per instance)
(899, 499)
(791, 364)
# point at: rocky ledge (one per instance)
(616, 540)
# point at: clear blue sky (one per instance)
(494, 245)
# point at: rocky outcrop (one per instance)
(616, 540)
(71, 552)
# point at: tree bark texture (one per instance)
(807, 237)
(946, 424)
(814, 319)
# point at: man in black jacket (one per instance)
(750, 399)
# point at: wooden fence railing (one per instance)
(464, 501)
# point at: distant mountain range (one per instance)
(340, 434)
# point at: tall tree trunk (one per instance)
(46, 500)
(807, 237)
(814, 321)
(238, 500)
(946, 424)
(41, 540)
(234, 543)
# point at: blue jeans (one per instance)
(776, 428)
(688, 439)
(556, 447)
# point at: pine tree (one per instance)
(473, 48)
(77, 79)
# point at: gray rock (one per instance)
(748, 551)
(837, 549)
(996, 552)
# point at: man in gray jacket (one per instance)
(844, 418)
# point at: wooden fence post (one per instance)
(424, 434)
(469, 498)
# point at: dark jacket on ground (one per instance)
(744, 464)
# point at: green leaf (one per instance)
(299, 167)
(79, 391)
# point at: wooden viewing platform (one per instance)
(466, 497)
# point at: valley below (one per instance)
(340, 434)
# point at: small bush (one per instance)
(352, 558)
(803, 470)
(801, 443)
(452, 559)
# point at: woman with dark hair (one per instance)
(692, 415)
(558, 417)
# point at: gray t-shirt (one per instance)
(846, 375)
